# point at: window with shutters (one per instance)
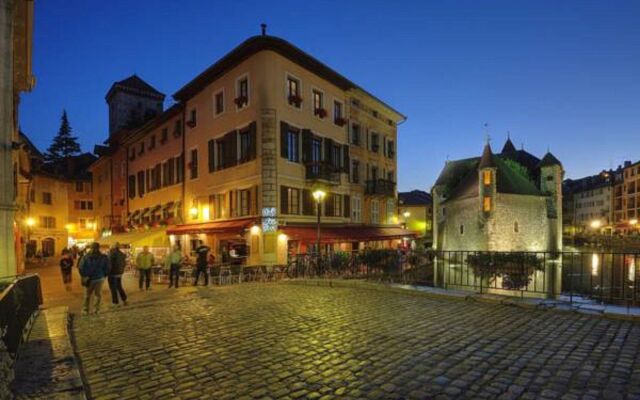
(165, 174)
(308, 203)
(218, 102)
(244, 200)
(318, 104)
(141, 183)
(375, 142)
(337, 205)
(293, 199)
(193, 164)
(338, 113)
(355, 171)
(391, 207)
(179, 168)
(293, 92)
(293, 145)
(336, 156)
(132, 186)
(211, 148)
(244, 146)
(242, 92)
(216, 204)
(355, 134)
(48, 222)
(391, 149)
(47, 198)
(375, 212)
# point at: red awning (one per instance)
(232, 226)
(343, 234)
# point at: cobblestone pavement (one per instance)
(292, 341)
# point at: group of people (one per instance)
(95, 267)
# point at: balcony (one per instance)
(322, 171)
(381, 187)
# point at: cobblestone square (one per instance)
(293, 341)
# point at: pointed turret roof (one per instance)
(508, 146)
(549, 160)
(135, 85)
(486, 161)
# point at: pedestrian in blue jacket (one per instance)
(94, 268)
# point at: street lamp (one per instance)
(318, 195)
(595, 224)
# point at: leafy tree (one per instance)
(64, 144)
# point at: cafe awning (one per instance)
(145, 212)
(232, 226)
(169, 206)
(151, 238)
(342, 234)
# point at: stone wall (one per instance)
(125, 106)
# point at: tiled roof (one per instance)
(549, 160)
(136, 85)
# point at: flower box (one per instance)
(340, 121)
(295, 100)
(320, 112)
(241, 101)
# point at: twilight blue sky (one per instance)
(563, 74)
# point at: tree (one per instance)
(64, 144)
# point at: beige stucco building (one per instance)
(235, 161)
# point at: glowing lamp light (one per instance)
(406, 214)
(68, 227)
(205, 213)
(193, 211)
(319, 194)
(255, 230)
(633, 221)
(30, 222)
(595, 224)
(283, 237)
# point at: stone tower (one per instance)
(132, 102)
(551, 174)
(487, 182)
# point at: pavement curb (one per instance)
(458, 295)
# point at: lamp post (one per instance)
(318, 195)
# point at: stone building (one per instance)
(415, 212)
(626, 199)
(587, 204)
(16, 33)
(235, 161)
(510, 201)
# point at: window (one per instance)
(141, 149)
(375, 212)
(486, 177)
(132, 186)
(293, 200)
(391, 151)
(216, 201)
(336, 156)
(375, 142)
(152, 142)
(245, 145)
(141, 183)
(516, 228)
(244, 206)
(179, 168)
(164, 136)
(355, 134)
(338, 118)
(293, 92)
(391, 206)
(293, 145)
(242, 91)
(337, 205)
(193, 118)
(132, 154)
(356, 209)
(486, 204)
(219, 102)
(177, 128)
(193, 164)
(48, 222)
(318, 104)
(79, 187)
(89, 205)
(461, 229)
(47, 198)
(355, 171)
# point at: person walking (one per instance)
(202, 253)
(144, 262)
(174, 262)
(118, 261)
(94, 268)
(66, 265)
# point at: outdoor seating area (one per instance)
(221, 274)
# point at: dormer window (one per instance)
(486, 177)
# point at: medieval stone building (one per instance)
(511, 201)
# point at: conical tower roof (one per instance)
(486, 161)
(549, 160)
(508, 146)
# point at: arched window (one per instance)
(461, 229)
(516, 228)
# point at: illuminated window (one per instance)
(486, 177)
(486, 204)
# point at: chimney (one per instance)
(263, 28)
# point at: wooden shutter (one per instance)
(231, 149)
(212, 152)
(328, 151)
(232, 203)
(284, 200)
(345, 158)
(253, 203)
(253, 140)
(347, 206)
(307, 140)
(284, 142)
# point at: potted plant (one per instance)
(320, 112)
(241, 101)
(340, 121)
(294, 99)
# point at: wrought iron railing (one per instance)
(322, 171)
(20, 298)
